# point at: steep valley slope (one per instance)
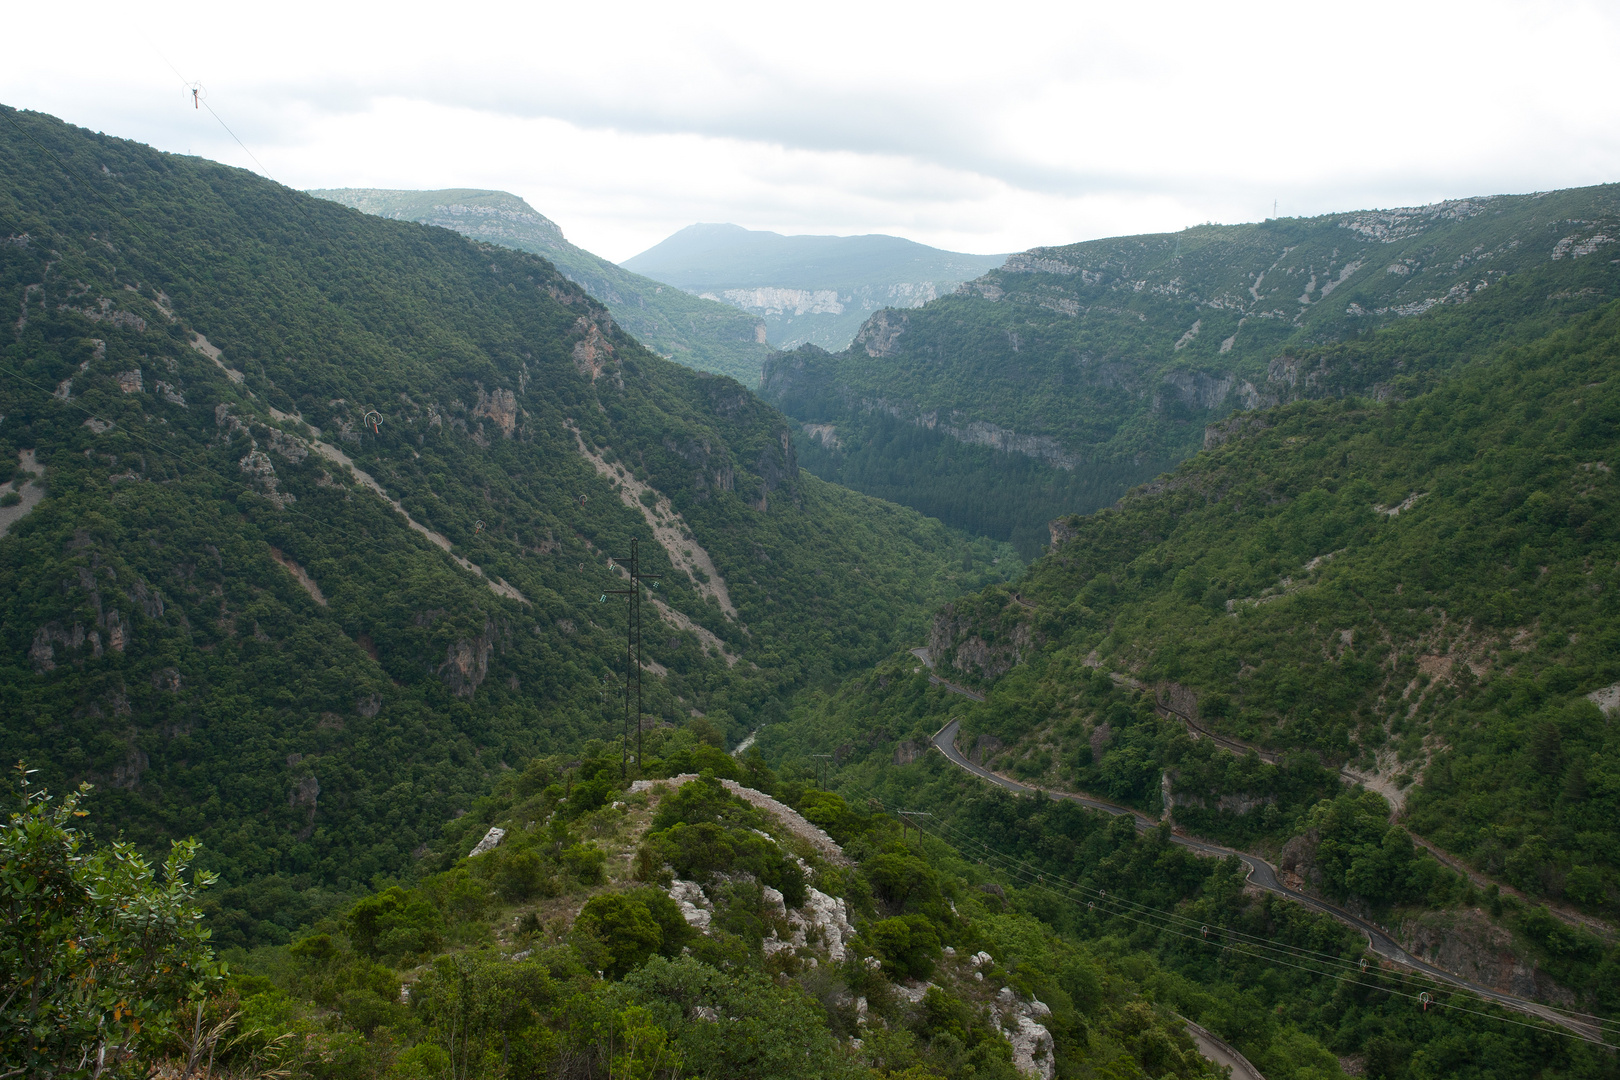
(1343, 623)
(331, 508)
(703, 334)
(1055, 383)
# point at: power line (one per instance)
(632, 648)
(1032, 877)
(1306, 954)
(199, 95)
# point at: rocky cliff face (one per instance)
(1470, 944)
(1466, 941)
(1124, 349)
(982, 637)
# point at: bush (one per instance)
(908, 945)
(521, 873)
(698, 852)
(395, 923)
(619, 933)
(586, 862)
(424, 1061)
(105, 952)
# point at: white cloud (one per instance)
(970, 126)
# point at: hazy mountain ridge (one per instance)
(689, 330)
(1111, 354)
(816, 289)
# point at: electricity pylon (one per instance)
(632, 650)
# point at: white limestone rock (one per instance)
(913, 994)
(822, 923)
(695, 907)
(1031, 1047)
(1031, 1043)
(775, 901)
(489, 842)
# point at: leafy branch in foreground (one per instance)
(98, 958)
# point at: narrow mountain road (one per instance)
(1350, 776)
(1199, 731)
(1216, 1049)
(928, 662)
(1264, 875)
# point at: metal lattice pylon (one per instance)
(632, 650)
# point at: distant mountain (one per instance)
(815, 289)
(1054, 383)
(702, 334)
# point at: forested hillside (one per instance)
(328, 510)
(1051, 385)
(1347, 630)
(702, 334)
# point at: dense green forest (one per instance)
(987, 492)
(1101, 363)
(1416, 589)
(1273, 978)
(214, 619)
(702, 334)
(1414, 594)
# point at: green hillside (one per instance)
(1054, 383)
(702, 334)
(216, 616)
(807, 289)
(1419, 593)
(308, 521)
(1414, 596)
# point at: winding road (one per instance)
(1263, 875)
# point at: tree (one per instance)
(623, 930)
(98, 959)
(908, 944)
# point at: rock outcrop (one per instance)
(1033, 1050)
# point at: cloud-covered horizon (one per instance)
(961, 126)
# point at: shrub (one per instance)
(107, 955)
(619, 933)
(907, 944)
(586, 862)
(395, 923)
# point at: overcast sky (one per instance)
(978, 127)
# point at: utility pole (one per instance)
(905, 815)
(823, 768)
(632, 650)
